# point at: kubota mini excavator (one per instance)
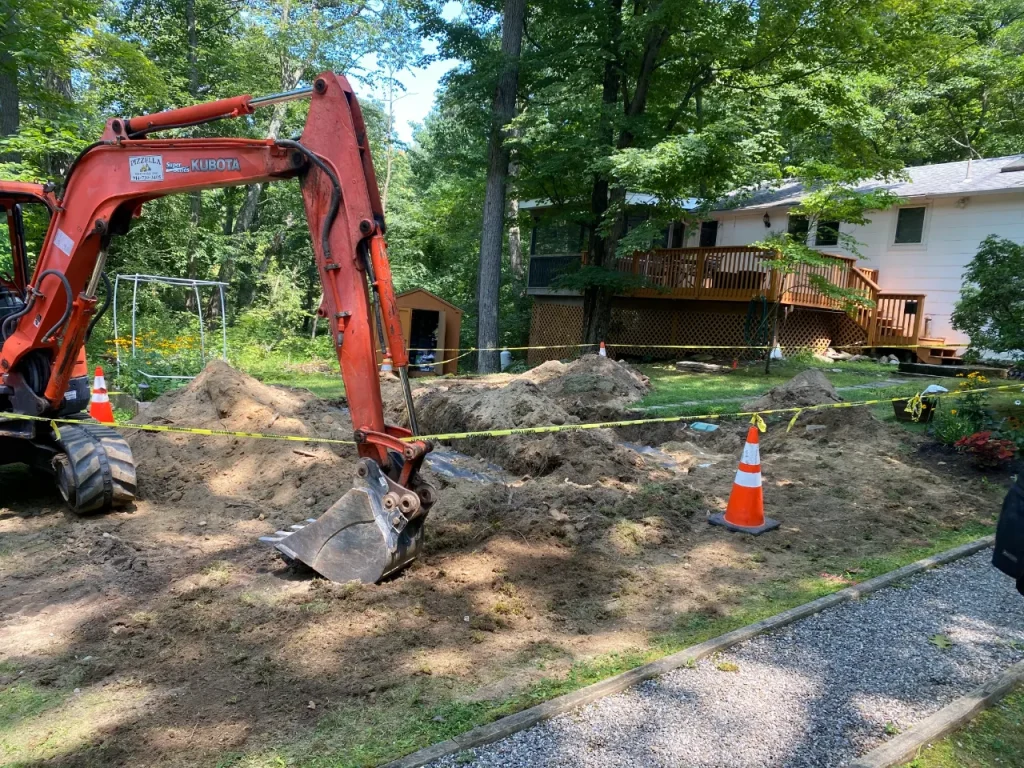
(48, 311)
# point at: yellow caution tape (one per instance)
(915, 406)
(56, 430)
(756, 417)
(792, 422)
(181, 430)
(758, 422)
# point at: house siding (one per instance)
(953, 229)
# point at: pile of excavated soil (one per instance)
(585, 455)
(249, 476)
(590, 386)
(554, 393)
(807, 388)
(812, 388)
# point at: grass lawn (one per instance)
(721, 393)
(327, 386)
(994, 739)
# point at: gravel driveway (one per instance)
(818, 693)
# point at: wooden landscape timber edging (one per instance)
(905, 746)
(499, 729)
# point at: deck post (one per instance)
(873, 324)
(775, 285)
(918, 321)
(699, 274)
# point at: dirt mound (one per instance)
(607, 516)
(590, 386)
(806, 388)
(248, 476)
(522, 403)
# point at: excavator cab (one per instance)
(92, 465)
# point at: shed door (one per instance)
(405, 319)
(441, 354)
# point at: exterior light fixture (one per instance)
(767, 220)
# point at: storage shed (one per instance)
(430, 327)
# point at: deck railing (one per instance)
(740, 273)
(730, 273)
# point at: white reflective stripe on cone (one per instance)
(748, 479)
(751, 454)
(100, 397)
(99, 383)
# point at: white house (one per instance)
(920, 246)
(703, 285)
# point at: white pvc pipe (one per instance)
(223, 325)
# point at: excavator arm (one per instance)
(107, 187)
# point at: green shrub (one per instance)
(950, 426)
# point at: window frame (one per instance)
(925, 219)
(791, 218)
(700, 233)
(835, 230)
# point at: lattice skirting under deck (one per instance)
(638, 326)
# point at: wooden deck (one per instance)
(742, 273)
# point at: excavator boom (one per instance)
(107, 186)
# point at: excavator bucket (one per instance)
(359, 538)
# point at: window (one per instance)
(634, 220)
(708, 234)
(549, 237)
(827, 233)
(910, 225)
(678, 236)
(797, 228)
(22, 230)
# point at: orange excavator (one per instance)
(47, 312)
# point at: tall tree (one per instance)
(493, 228)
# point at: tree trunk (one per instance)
(515, 240)
(597, 303)
(247, 213)
(389, 147)
(9, 100)
(195, 198)
(493, 228)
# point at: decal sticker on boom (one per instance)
(216, 164)
(146, 168)
(176, 167)
(63, 242)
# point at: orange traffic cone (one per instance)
(99, 403)
(745, 510)
(602, 351)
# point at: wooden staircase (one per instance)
(896, 321)
(933, 350)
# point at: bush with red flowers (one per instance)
(988, 451)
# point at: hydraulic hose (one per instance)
(332, 212)
(67, 307)
(77, 160)
(103, 310)
(12, 319)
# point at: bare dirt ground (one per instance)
(166, 634)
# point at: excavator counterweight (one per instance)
(48, 309)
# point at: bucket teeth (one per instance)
(357, 539)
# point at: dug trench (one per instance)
(165, 634)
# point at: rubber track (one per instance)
(103, 467)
